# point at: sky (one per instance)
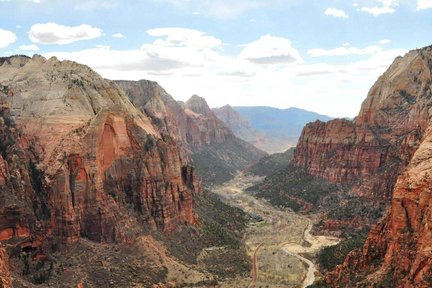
(318, 55)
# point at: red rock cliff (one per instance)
(5, 280)
(398, 251)
(98, 167)
(369, 152)
(191, 123)
(217, 153)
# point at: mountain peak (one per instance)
(198, 105)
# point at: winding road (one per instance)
(282, 240)
(316, 243)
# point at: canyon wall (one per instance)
(83, 161)
(398, 251)
(369, 152)
(5, 280)
(216, 152)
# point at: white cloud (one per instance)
(30, 47)
(52, 33)
(118, 35)
(384, 41)
(386, 7)
(270, 50)
(6, 38)
(424, 4)
(344, 51)
(184, 37)
(335, 13)
(187, 62)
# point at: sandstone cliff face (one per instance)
(398, 251)
(369, 152)
(215, 151)
(5, 280)
(99, 169)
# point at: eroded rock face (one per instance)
(86, 162)
(369, 152)
(398, 251)
(217, 153)
(5, 280)
(242, 128)
(191, 123)
(399, 248)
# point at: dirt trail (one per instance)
(283, 235)
(315, 244)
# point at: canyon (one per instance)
(213, 148)
(90, 166)
(270, 129)
(383, 154)
(79, 162)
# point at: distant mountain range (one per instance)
(270, 129)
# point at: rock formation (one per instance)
(275, 130)
(85, 162)
(369, 152)
(398, 251)
(214, 149)
(242, 128)
(5, 280)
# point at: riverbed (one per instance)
(281, 246)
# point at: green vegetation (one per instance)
(272, 163)
(220, 163)
(329, 257)
(211, 168)
(221, 226)
(292, 187)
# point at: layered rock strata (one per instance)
(92, 166)
(369, 152)
(217, 153)
(398, 251)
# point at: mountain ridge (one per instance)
(213, 148)
(271, 129)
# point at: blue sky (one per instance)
(317, 55)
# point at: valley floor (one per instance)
(278, 241)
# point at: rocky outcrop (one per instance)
(215, 151)
(5, 279)
(93, 165)
(242, 128)
(398, 251)
(369, 152)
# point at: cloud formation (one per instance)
(30, 47)
(269, 49)
(335, 13)
(53, 33)
(268, 71)
(118, 35)
(384, 41)
(6, 38)
(386, 7)
(424, 4)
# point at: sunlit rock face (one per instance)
(79, 160)
(217, 153)
(399, 249)
(369, 152)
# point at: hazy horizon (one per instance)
(321, 56)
